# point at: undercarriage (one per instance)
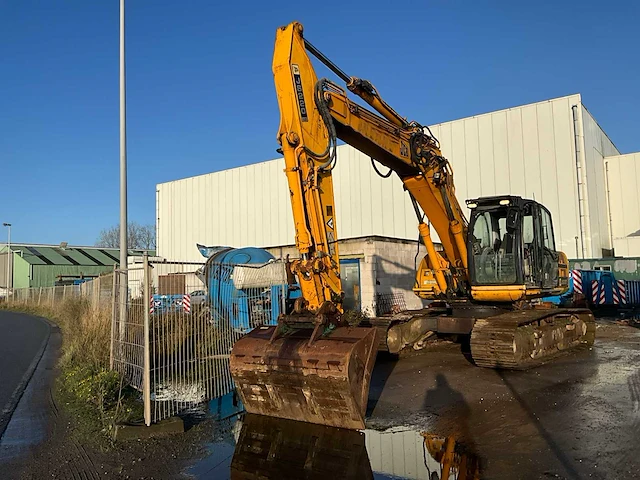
(499, 337)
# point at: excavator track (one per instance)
(524, 339)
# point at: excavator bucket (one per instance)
(325, 381)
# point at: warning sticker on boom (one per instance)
(297, 83)
(330, 223)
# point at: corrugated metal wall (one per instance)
(45, 275)
(4, 258)
(244, 206)
(250, 206)
(596, 146)
(528, 151)
(400, 453)
(623, 172)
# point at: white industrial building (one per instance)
(553, 151)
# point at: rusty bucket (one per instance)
(324, 382)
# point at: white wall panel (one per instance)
(597, 146)
(250, 206)
(486, 155)
(527, 151)
(624, 202)
(400, 453)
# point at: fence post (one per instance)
(113, 315)
(40, 296)
(95, 292)
(146, 379)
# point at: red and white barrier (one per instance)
(186, 303)
(151, 305)
(594, 291)
(576, 276)
(620, 293)
(601, 299)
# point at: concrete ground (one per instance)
(576, 417)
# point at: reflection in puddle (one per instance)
(267, 447)
(404, 453)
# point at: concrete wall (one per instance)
(393, 268)
(386, 267)
(622, 181)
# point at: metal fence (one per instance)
(98, 291)
(174, 325)
(386, 303)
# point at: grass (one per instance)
(95, 396)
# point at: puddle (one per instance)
(253, 446)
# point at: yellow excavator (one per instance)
(486, 281)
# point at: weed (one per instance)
(94, 393)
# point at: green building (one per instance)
(50, 265)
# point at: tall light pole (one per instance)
(123, 277)
(9, 258)
(123, 149)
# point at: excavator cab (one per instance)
(511, 250)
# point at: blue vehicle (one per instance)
(169, 303)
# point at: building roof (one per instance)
(78, 256)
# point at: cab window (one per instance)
(547, 230)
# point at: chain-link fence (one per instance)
(175, 323)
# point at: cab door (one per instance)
(546, 246)
(531, 247)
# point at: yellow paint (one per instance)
(386, 136)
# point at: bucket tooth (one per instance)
(324, 382)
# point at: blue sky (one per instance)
(200, 93)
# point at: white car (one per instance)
(199, 297)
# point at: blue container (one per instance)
(633, 292)
(243, 309)
(605, 280)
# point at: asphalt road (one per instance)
(21, 338)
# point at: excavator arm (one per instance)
(315, 113)
(323, 376)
